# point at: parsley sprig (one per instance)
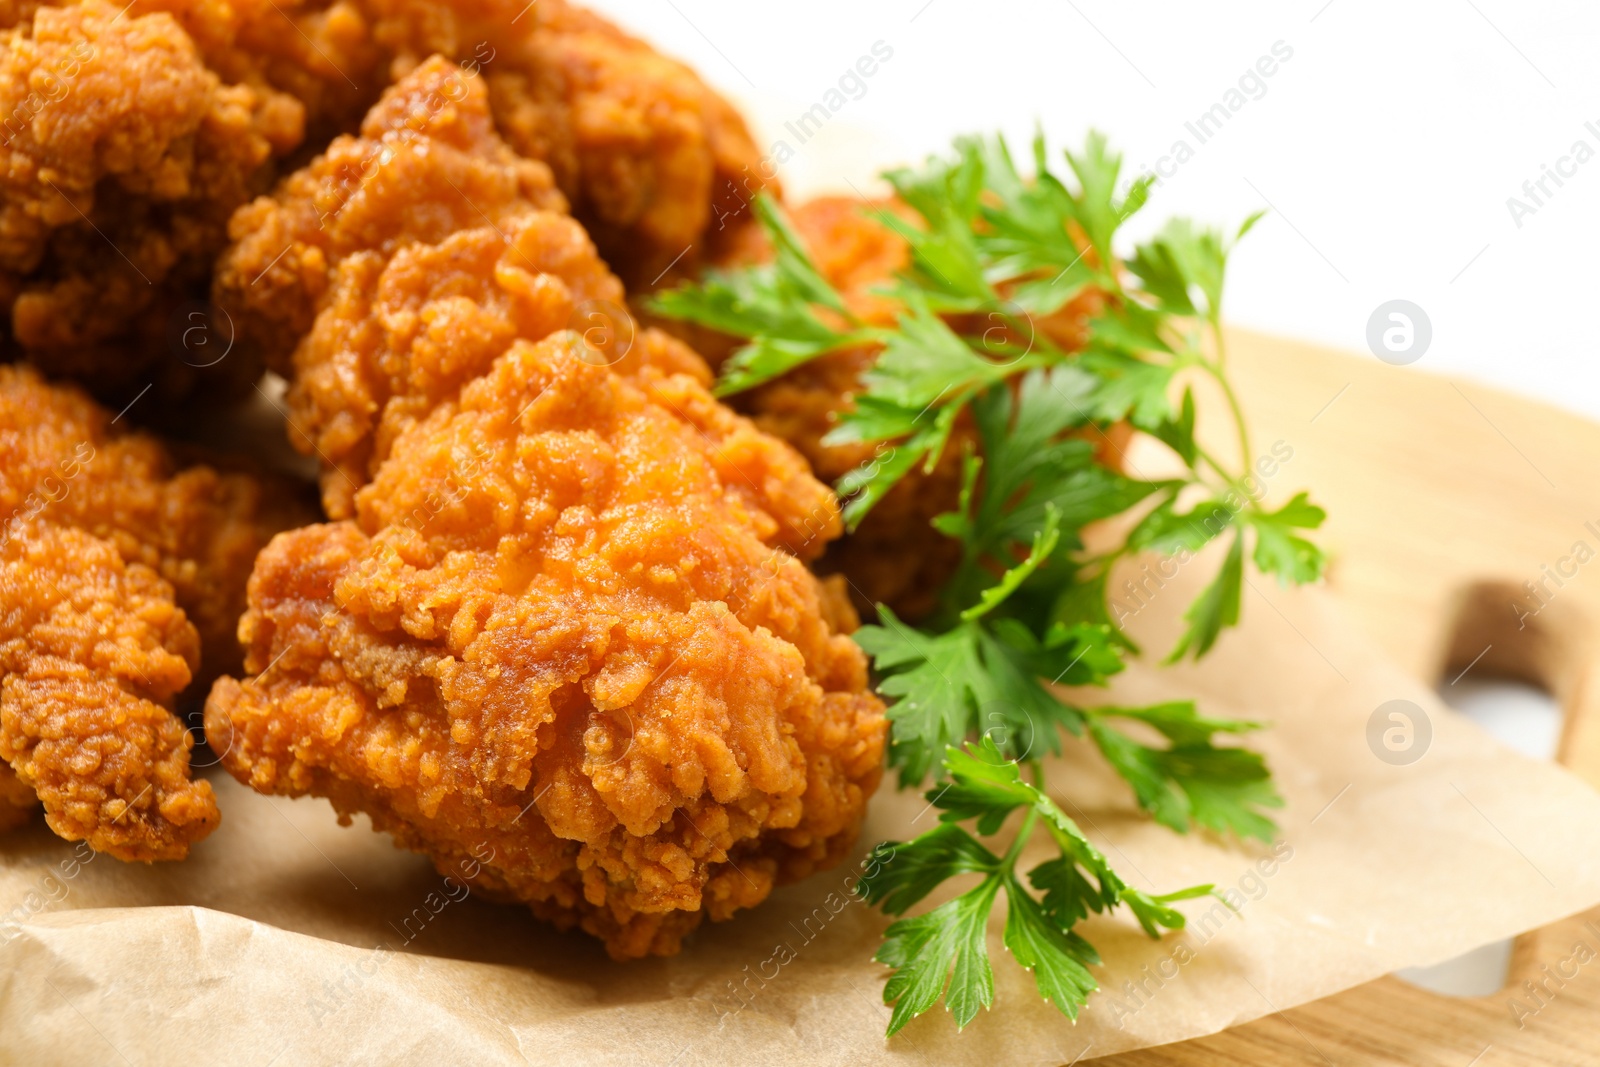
(949, 945)
(995, 259)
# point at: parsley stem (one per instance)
(1222, 346)
(1023, 832)
(1247, 455)
(1215, 464)
(1008, 863)
(1215, 369)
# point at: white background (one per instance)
(1388, 144)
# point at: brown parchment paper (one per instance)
(287, 939)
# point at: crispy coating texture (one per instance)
(558, 633)
(198, 528)
(122, 579)
(659, 168)
(92, 650)
(427, 164)
(416, 254)
(125, 155)
(132, 134)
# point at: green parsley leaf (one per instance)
(1044, 543)
(1281, 552)
(903, 874)
(1217, 607)
(1027, 233)
(1165, 529)
(925, 949)
(867, 484)
(1178, 433)
(1059, 959)
(775, 306)
(1130, 388)
(1099, 210)
(981, 678)
(944, 951)
(934, 684)
(946, 266)
(1180, 263)
(1192, 781)
(925, 363)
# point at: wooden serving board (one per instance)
(1444, 498)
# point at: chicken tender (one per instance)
(559, 632)
(122, 579)
(426, 165)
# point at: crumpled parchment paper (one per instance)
(287, 939)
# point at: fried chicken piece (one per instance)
(92, 649)
(558, 634)
(132, 134)
(125, 155)
(198, 528)
(415, 254)
(426, 165)
(659, 168)
(894, 556)
(320, 53)
(122, 579)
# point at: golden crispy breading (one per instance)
(416, 254)
(321, 53)
(124, 157)
(132, 133)
(91, 650)
(427, 164)
(557, 634)
(121, 577)
(398, 338)
(62, 460)
(659, 168)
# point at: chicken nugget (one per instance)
(558, 633)
(399, 264)
(122, 579)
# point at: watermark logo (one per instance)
(200, 334)
(1399, 332)
(1399, 732)
(607, 328)
(1008, 331)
